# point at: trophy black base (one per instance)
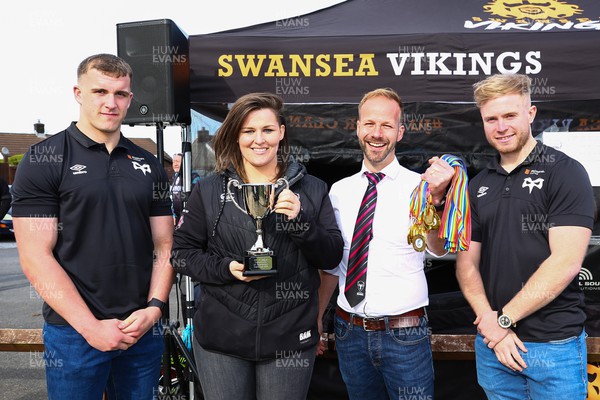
(259, 264)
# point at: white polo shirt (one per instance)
(395, 273)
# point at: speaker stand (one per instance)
(160, 144)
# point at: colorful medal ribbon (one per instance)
(455, 224)
(456, 220)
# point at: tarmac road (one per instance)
(22, 375)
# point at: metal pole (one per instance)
(160, 145)
(188, 306)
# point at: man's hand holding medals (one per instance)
(443, 187)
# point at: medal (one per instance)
(424, 217)
(417, 236)
(431, 217)
(455, 223)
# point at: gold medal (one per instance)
(426, 219)
(411, 234)
(418, 237)
(437, 222)
(431, 217)
(419, 243)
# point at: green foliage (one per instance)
(15, 160)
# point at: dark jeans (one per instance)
(226, 377)
(76, 370)
(392, 363)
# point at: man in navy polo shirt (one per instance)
(532, 215)
(93, 224)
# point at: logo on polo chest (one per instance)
(142, 167)
(534, 172)
(134, 158)
(482, 191)
(78, 169)
(530, 183)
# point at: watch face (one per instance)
(504, 321)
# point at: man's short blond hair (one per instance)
(500, 85)
(388, 93)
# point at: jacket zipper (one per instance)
(258, 323)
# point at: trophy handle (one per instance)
(234, 182)
(282, 181)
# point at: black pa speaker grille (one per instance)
(158, 52)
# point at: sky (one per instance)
(43, 42)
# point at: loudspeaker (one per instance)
(158, 52)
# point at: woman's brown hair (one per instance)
(227, 150)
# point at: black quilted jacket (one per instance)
(265, 318)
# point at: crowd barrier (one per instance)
(444, 347)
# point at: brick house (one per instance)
(17, 143)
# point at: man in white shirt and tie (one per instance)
(382, 334)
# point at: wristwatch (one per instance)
(504, 320)
(154, 302)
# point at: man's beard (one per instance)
(380, 157)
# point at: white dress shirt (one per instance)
(396, 280)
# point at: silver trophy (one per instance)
(259, 200)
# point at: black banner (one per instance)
(430, 51)
(326, 133)
(338, 54)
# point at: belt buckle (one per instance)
(365, 320)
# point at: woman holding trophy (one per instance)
(254, 234)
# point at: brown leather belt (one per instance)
(407, 320)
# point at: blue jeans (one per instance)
(76, 370)
(555, 370)
(225, 377)
(395, 363)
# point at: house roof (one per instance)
(18, 143)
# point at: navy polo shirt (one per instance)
(511, 215)
(103, 203)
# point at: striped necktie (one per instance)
(356, 277)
